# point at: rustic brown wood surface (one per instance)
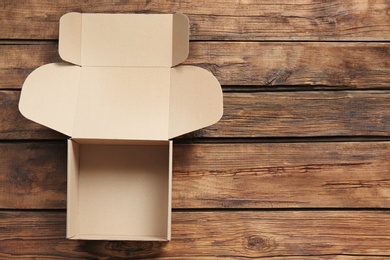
(262, 175)
(33, 175)
(219, 19)
(247, 234)
(259, 64)
(258, 114)
(15, 126)
(298, 167)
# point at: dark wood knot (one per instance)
(259, 243)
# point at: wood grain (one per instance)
(258, 114)
(33, 175)
(258, 64)
(281, 175)
(203, 234)
(263, 175)
(341, 65)
(296, 71)
(336, 20)
(18, 61)
(303, 114)
(13, 125)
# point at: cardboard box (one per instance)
(121, 98)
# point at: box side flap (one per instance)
(49, 96)
(180, 39)
(195, 100)
(170, 191)
(123, 103)
(69, 46)
(72, 220)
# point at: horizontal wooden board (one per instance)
(219, 19)
(263, 175)
(303, 114)
(351, 65)
(210, 234)
(18, 61)
(277, 175)
(33, 175)
(13, 125)
(259, 64)
(259, 114)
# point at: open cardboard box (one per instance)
(121, 98)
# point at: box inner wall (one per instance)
(123, 190)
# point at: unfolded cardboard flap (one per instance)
(158, 40)
(195, 100)
(107, 103)
(103, 101)
(121, 102)
(49, 96)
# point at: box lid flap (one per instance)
(104, 101)
(123, 103)
(158, 40)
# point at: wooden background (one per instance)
(298, 167)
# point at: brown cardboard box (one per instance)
(121, 98)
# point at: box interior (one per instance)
(119, 190)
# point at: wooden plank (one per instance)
(352, 65)
(218, 20)
(210, 234)
(259, 114)
(278, 175)
(15, 126)
(33, 175)
(263, 175)
(261, 64)
(18, 61)
(303, 114)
